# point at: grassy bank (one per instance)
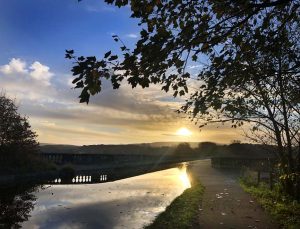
(182, 213)
(282, 208)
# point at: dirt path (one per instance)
(225, 204)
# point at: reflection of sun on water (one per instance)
(184, 178)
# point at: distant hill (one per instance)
(51, 148)
(207, 149)
(124, 148)
(171, 144)
(108, 149)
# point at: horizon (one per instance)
(141, 143)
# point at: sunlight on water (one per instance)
(127, 203)
(184, 178)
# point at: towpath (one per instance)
(225, 204)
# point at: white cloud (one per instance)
(14, 66)
(22, 81)
(195, 66)
(99, 8)
(40, 72)
(132, 35)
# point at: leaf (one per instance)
(181, 93)
(84, 96)
(76, 79)
(107, 54)
(113, 58)
(194, 57)
(79, 84)
(70, 52)
(81, 58)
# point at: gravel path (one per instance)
(225, 204)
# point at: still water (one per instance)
(128, 203)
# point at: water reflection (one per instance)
(127, 203)
(16, 204)
(184, 177)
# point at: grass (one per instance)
(283, 209)
(182, 213)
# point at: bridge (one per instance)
(100, 168)
(112, 159)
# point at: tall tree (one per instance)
(249, 52)
(18, 144)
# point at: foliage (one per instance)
(207, 148)
(182, 212)
(248, 177)
(183, 149)
(281, 207)
(172, 33)
(67, 172)
(18, 145)
(249, 53)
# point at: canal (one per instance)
(128, 203)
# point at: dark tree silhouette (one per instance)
(207, 148)
(18, 144)
(183, 150)
(249, 53)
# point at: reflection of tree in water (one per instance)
(16, 203)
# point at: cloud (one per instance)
(19, 70)
(125, 115)
(27, 82)
(14, 66)
(40, 72)
(96, 6)
(132, 35)
(99, 9)
(195, 66)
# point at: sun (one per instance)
(183, 132)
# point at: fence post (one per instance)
(258, 177)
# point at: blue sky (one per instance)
(43, 29)
(33, 39)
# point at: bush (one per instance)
(284, 209)
(248, 177)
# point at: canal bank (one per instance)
(183, 212)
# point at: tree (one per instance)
(249, 52)
(183, 150)
(18, 144)
(207, 148)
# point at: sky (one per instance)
(34, 35)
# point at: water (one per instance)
(128, 203)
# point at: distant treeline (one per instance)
(202, 149)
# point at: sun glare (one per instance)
(184, 132)
(184, 178)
